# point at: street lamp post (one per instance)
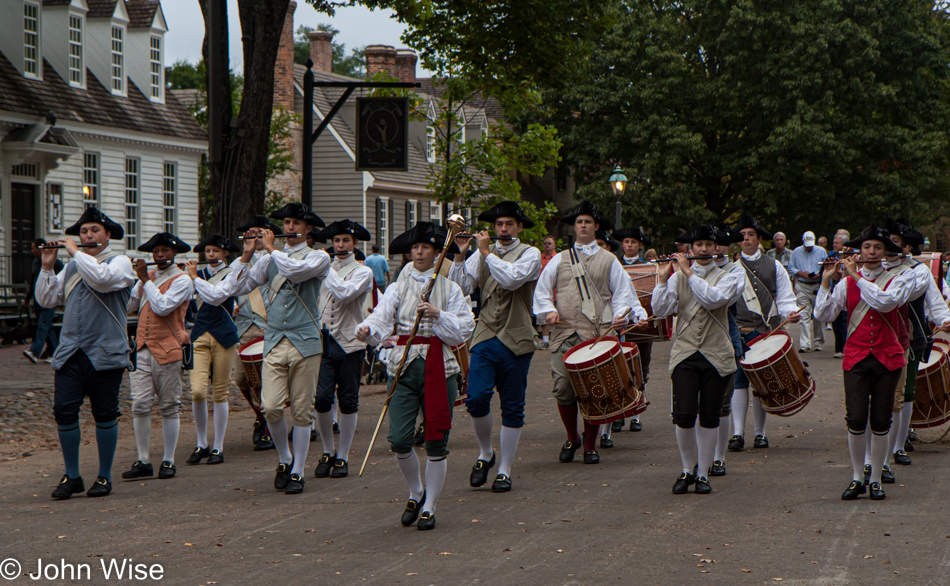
(618, 183)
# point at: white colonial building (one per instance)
(85, 120)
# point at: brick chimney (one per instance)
(321, 50)
(284, 68)
(406, 65)
(380, 58)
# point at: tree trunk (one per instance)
(219, 112)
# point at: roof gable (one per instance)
(145, 14)
(107, 9)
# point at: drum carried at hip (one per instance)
(252, 357)
(601, 375)
(777, 374)
(644, 278)
(932, 396)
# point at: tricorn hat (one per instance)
(298, 211)
(259, 222)
(733, 235)
(872, 232)
(747, 221)
(165, 239)
(506, 209)
(586, 209)
(634, 232)
(424, 232)
(219, 241)
(339, 227)
(94, 215)
(612, 244)
(704, 232)
(902, 228)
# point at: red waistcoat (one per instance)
(882, 335)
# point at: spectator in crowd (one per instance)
(823, 243)
(845, 233)
(380, 268)
(45, 332)
(650, 255)
(549, 250)
(780, 253)
(806, 267)
(840, 325)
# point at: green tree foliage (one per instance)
(811, 115)
(352, 65)
(183, 75)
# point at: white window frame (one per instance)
(133, 202)
(430, 143)
(91, 180)
(32, 57)
(382, 223)
(76, 57)
(117, 61)
(54, 207)
(156, 70)
(437, 207)
(413, 218)
(170, 197)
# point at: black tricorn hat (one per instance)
(94, 215)
(350, 227)
(317, 235)
(424, 232)
(612, 244)
(704, 232)
(634, 232)
(259, 222)
(747, 221)
(299, 211)
(586, 209)
(165, 239)
(872, 232)
(506, 209)
(733, 235)
(902, 228)
(219, 241)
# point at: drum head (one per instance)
(765, 349)
(587, 352)
(936, 355)
(254, 348)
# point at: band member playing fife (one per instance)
(341, 310)
(504, 340)
(161, 299)
(591, 287)
(430, 379)
(292, 344)
(214, 338)
(93, 352)
(702, 359)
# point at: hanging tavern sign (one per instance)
(382, 134)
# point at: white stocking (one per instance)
(200, 412)
(221, 411)
(143, 434)
(686, 441)
(409, 466)
(435, 478)
(509, 443)
(740, 407)
(347, 430)
(170, 429)
(482, 427)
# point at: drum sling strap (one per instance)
(583, 288)
(215, 279)
(752, 300)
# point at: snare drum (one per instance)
(778, 376)
(252, 357)
(644, 278)
(631, 353)
(462, 356)
(932, 399)
(602, 381)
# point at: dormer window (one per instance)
(31, 39)
(155, 67)
(76, 67)
(118, 60)
(430, 144)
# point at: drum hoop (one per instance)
(250, 357)
(597, 360)
(772, 359)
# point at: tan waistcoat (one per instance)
(701, 330)
(505, 314)
(341, 319)
(164, 335)
(568, 303)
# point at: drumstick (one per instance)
(635, 326)
(608, 331)
(783, 323)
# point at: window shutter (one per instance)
(392, 219)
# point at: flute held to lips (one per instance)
(52, 246)
(280, 235)
(700, 257)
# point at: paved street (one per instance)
(776, 516)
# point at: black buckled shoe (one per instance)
(718, 468)
(480, 470)
(282, 477)
(877, 493)
(682, 484)
(68, 487)
(502, 483)
(605, 442)
(887, 477)
(736, 444)
(265, 444)
(912, 436)
(216, 457)
(635, 425)
(139, 470)
(901, 457)
(413, 508)
(426, 521)
(260, 430)
(198, 455)
(908, 446)
(167, 470)
(761, 442)
(340, 469)
(702, 486)
(324, 466)
(591, 457)
(854, 489)
(420, 437)
(295, 484)
(102, 487)
(867, 473)
(617, 425)
(567, 451)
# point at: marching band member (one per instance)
(429, 382)
(214, 338)
(341, 310)
(93, 352)
(767, 297)
(702, 359)
(250, 317)
(161, 299)
(504, 340)
(874, 354)
(589, 282)
(292, 344)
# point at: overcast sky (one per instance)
(357, 25)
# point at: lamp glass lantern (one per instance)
(618, 183)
